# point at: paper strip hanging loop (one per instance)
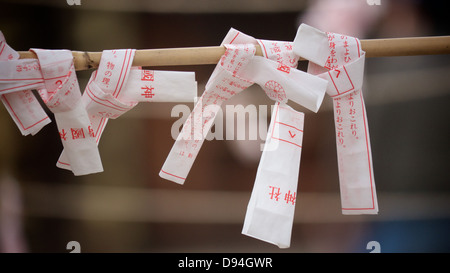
(17, 78)
(340, 60)
(63, 97)
(277, 76)
(237, 70)
(270, 211)
(116, 88)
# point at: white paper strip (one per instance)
(222, 85)
(237, 70)
(271, 220)
(116, 87)
(17, 78)
(340, 60)
(63, 97)
(270, 212)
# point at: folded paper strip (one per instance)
(339, 59)
(276, 74)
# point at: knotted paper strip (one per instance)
(17, 78)
(340, 60)
(116, 87)
(237, 69)
(104, 86)
(276, 74)
(63, 97)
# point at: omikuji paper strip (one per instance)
(340, 60)
(116, 88)
(237, 70)
(17, 78)
(270, 212)
(63, 97)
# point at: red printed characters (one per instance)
(289, 196)
(63, 134)
(77, 133)
(148, 94)
(108, 73)
(147, 75)
(284, 68)
(274, 195)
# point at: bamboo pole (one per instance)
(84, 60)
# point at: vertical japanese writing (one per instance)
(108, 73)
(280, 52)
(332, 60)
(347, 57)
(339, 121)
(147, 75)
(352, 114)
(147, 93)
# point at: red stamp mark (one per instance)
(275, 91)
